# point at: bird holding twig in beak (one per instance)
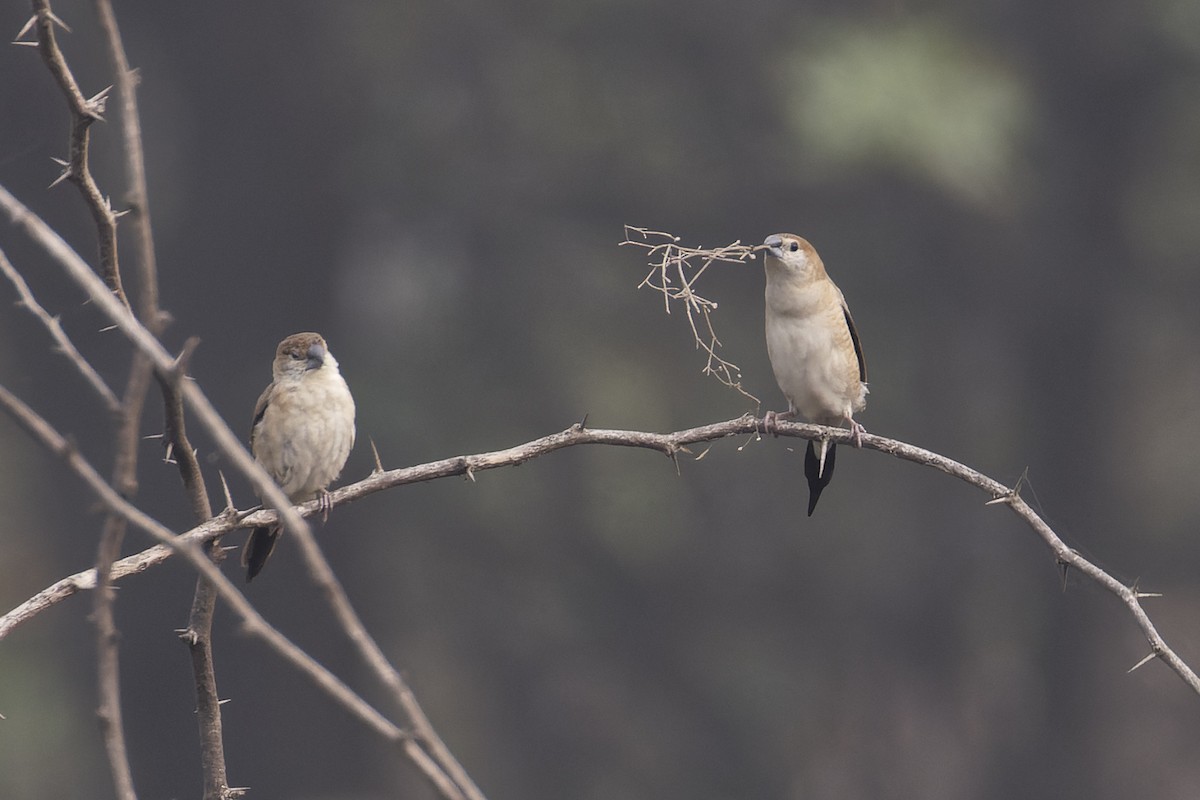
(814, 350)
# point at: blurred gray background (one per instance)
(1007, 192)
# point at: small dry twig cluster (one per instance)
(674, 271)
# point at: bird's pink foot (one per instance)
(324, 505)
(857, 431)
(771, 420)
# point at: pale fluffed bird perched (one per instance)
(814, 350)
(302, 433)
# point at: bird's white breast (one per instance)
(306, 433)
(812, 352)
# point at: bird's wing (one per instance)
(858, 351)
(260, 408)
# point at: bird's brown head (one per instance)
(792, 255)
(299, 353)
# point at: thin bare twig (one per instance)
(251, 619)
(188, 547)
(369, 650)
(62, 342)
(198, 634)
(136, 193)
(84, 111)
(108, 662)
(227, 442)
(674, 271)
(175, 433)
(225, 439)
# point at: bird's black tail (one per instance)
(259, 547)
(817, 480)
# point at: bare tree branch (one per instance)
(108, 663)
(670, 444)
(178, 446)
(230, 446)
(62, 342)
(253, 622)
(198, 634)
(137, 195)
(188, 547)
(77, 269)
(423, 731)
(84, 111)
(130, 565)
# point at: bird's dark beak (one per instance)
(774, 243)
(316, 357)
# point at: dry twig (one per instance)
(84, 112)
(62, 342)
(674, 271)
(232, 448)
(253, 622)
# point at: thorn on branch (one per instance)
(26, 28)
(95, 105)
(375, 452)
(54, 19)
(65, 174)
(1139, 594)
(252, 510)
(1007, 498)
(1153, 655)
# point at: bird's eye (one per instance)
(794, 246)
(297, 356)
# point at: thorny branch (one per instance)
(227, 442)
(62, 342)
(253, 622)
(671, 445)
(84, 111)
(674, 271)
(128, 415)
(136, 195)
(425, 736)
(198, 634)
